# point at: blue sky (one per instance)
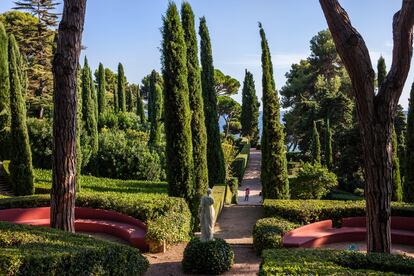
(128, 31)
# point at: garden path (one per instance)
(235, 225)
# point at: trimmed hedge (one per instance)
(267, 233)
(332, 262)
(219, 195)
(29, 250)
(239, 164)
(210, 257)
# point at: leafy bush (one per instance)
(229, 152)
(41, 144)
(233, 185)
(108, 120)
(239, 164)
(332, 262)
(313, 182)
(211, 257)
(307, 211)
(267, 233)
(128, 120)
(27, 250)
(219, 194)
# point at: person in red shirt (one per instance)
(246, 194)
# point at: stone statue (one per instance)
(206, 215)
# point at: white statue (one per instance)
(206, 215)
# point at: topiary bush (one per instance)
(29, 250)
(211, 257)
(239, 164)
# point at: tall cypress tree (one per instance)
(88, 107)
(21, 170)
(316, 145)
(274, 165)
(156, 111)
(409, 156)
(101, 89)
(215, 157)
(199, 135)
(4, 94)
(140, 108)
(397, 193)
(121, 89)
(328, 146)
(176, 107)
(249, 118)
(382, 71)
(129, 99)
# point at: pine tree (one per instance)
(121, 89)
(249, 118)
(176, 107)
(4, 95)
(199, 135)
(156, 111)
(140, 108)
(274, 165)
(215, 157)
(397, 193)
(88, 107)
(409, 156)
(101, 89)
(382, 71)
(21, 170)
(328, 146)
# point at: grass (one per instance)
(343, 195)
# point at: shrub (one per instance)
(27, 250)
(219, 194)
(211, 257)
(233, 185)
(108, 119)
(41, 144)
(313, 182)
(239, 165)
(267, 233)
(332, 262)
(128, 120)
(229, 153)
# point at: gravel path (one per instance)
(235, 225)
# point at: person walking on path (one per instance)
(246, 194)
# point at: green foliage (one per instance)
(101, 89)
(274, 165)
(121, 89)
(316, 145)
(397, 193)
(332, 262)
(156, 103)
(210, 257)
(249, 117)
(29, 250)
(313, 182)
(239, 165)
(21, 170)
(307, 211)
(229, 152)
(328, 146)
(268, 232)
(229, 109)
(409, 157)
(198, 133)
(381, 71)
(41, 144)
(233, 187)
(140, 108)
(225, 85)
(177, 107)
(219, 195)
(4, 94)
(215, 157)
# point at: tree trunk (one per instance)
(375, 112)
(65, 64)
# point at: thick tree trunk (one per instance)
(375, 112)
(65, 114)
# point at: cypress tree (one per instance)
(116, 102)
(409, 156)
(101, 89)
(397, 193)
(21, 170)
(129, 99)
(156, 108)
(316, 145)
(88, 107)
(328, 146)
(4, 94)
(179, 151)
(199, 135)
(274, 165)
(249, 117)
(215, 157)
(121, 89)
(382, 71)
(140, 108)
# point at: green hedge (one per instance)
(27, 250)
(219, 195)
(332, 262)
(307, 211)
(239, 164)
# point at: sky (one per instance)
(128, 31)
